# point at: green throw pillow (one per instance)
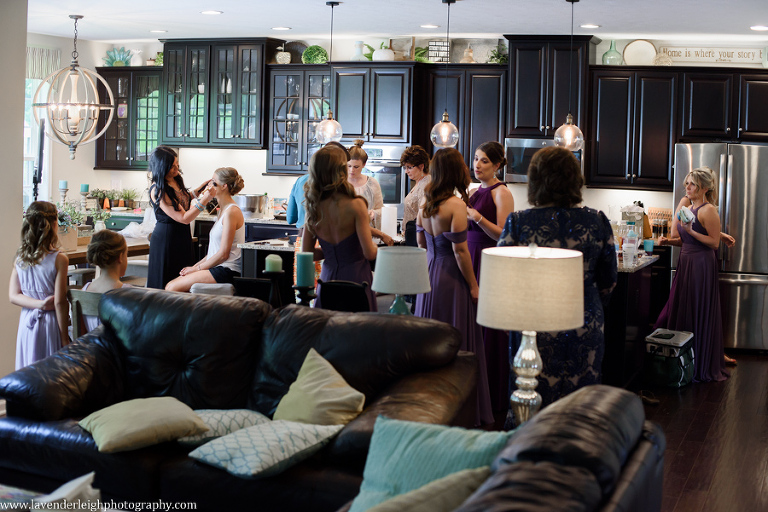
(405, 455)
(141, 422)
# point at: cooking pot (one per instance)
(254, 203)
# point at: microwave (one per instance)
(384, 165)
(519, 153)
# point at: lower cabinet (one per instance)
(258, 231)
(253, 266)
(118, 222)
(201, 231)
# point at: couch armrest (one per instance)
(84, 376)
(436, 396)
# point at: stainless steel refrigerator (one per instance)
(742, 170)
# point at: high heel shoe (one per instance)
(729, 361)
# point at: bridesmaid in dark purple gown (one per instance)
(490, 205)
(338, 218)
(694, 301)
(441, 228)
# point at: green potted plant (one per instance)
(99, 217)
(99, 195)
(114, 197)
(420, 54)
(129, 196)
(497, 55)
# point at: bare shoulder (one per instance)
(62, 259)
(502, 191)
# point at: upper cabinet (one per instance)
(135, 128)
(214, 92)
(546, 75)
(373, 102)
(725, 106)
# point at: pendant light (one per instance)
(72, 103)
(569, 135)
(329, 129)
(445, 134)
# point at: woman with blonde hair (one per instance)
(224, 259)
(694, 300)
(338, 218)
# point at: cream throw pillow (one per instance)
(320, 395)
(141, 422)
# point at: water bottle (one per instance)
(630, 247)
(633, 238)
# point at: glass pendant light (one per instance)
(569, 135)
(445, 134)
(329, 129)
(72, 103)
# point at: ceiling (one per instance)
(684, 20)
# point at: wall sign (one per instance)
(713, 54)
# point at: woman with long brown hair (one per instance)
(441, 228)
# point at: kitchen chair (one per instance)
(83, 303)
(213, 288)
(255, 287)
(344, 296)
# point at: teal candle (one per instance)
(273, 263)
(63, 184)
(84, 187)
(305, 269)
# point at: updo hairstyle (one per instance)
(356, 152)
(105, 248)
(231, 178)
(495, 153)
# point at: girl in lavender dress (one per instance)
(441, 228)
(490, 205)
(694, 301)
(338, 218)
(39, 285)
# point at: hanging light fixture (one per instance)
(445, 134)
(72, 103)
(569, 135)
(329, 129)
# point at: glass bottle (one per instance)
(358, 56)
(612, 57)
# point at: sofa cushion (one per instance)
(200, 349)
(141, 422)
(221, 422)
(368, 349)
(405, 455)
(320, 396)
(595, 428)
(265, 449)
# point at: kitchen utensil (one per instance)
(252, 203)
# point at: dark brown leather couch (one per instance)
(221, 353)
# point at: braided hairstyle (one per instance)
(39, 233)
(105, 248)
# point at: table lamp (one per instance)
(530, 289)
(402, 271)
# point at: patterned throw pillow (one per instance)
(266, 449)
(221, 422)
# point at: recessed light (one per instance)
(759, 27)
(212, 12)
(430, 26)
(590, 25)
(281, 28)
(158, 31)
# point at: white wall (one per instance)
(13, 36)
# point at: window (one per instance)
(31, 150)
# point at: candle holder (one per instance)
(63, 194)
(83, 195)
(306, 294)
(274, 293)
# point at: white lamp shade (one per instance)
(401, 270)
(526, 289)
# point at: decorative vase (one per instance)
(384, 54)
(469, 57)
(358, 56)
(98, 226)
(283, 57)
(612, 57)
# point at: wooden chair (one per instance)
(83, 303)
(344, 296)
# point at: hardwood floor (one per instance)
(717, 441)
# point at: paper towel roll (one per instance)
(389, 220)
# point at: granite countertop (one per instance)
(274, 244)
(641, 263)
(206, 216)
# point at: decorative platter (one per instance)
(119, 208)
(639, 53)
(295, 48)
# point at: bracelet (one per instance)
(479, 221)
(198, 204)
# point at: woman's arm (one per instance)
(17, 298)
(363, 229)
(187, 216)
(461, 250)
(421, 240)
(606, 265)
(384, 237)
(60, 297)
(378, 202)
(708, 218)
(308, 242)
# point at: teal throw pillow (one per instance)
(221, 422)
(406, 455)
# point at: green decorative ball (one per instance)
(314, 55)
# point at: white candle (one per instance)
(273, 263)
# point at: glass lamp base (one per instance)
(525, 401)
(399, 306)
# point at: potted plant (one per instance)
(99, 195)
(497, 55)
(129, 196)
(383, 53)
(69, 217)
(114, 198)
(99, 217)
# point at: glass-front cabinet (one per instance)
(135, 128)
(185, 87)
(299, 101)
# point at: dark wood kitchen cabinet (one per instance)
(725, 106)
(475, 102)
(185, 93)
(134, 131)
(373, 102)
(547, 74)
(632, 128)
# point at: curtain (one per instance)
(41, 62)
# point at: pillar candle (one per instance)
(84, 187)
(305, 269)
(63, 184)
(273, 263)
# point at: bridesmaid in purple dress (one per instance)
(694, 301)
(338, 218)
(441, 228)
(490, 205)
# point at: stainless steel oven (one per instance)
(384, 165)
(519, 154)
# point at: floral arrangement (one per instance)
(69, 215)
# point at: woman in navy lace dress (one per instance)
(572, 359)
